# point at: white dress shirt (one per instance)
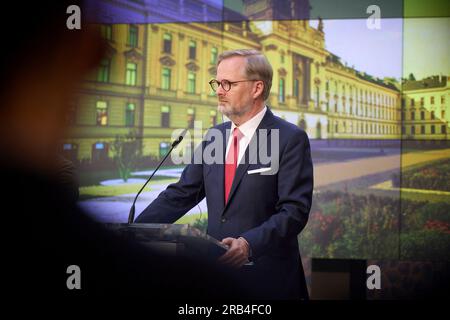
(247, 129)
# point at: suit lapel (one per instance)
(266, 123)
(218, 168)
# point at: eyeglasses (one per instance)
(226, 85)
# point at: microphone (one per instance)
(174, 144)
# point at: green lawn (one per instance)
(109, 191)
(90, 178)
(403, 195)
(416, 196)
(190, 219)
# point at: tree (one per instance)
(411, 77)
(125, 151)
(201, 224)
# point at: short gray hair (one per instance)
(257, 67)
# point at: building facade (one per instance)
(425, 109)
(154, 79)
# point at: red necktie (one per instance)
(231, 162)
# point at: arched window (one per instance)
(281, 90)
(70, 151)
(167, 43)
(129, 114)
(99, 152)
(319, 130)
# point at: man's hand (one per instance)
(237, 254)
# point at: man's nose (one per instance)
(220, 92)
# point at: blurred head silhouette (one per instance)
(40, 69)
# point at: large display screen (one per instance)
(369, 86)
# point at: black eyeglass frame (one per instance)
(228, 82)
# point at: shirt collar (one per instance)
(249, 127)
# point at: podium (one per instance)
(172, 239)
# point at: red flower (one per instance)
(436, 225)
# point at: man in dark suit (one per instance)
(256, 208)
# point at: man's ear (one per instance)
(258, 89)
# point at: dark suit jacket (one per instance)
(269, 211)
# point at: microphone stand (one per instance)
(174, 144)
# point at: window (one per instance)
(413, 130)
(442, 114)
(106, 31)
(102, 113)
(433, 129)
(296, 88)
(432, 100)
(71, 116)
(163, 149)
(192, 50)
(422, 101)
(403, 115)
(432, 115)
(422, 115)
(412, 115)
(412, 102)
(191, 82)
(129, 114)
(103, 71)
(213, 117)
(99, 152)
(403, 102)
(70, 151)
(131, 75)
(403, 130)
(214, 55)
(133, 36)
(190, 117)
(281, 90)
(442, 99)
(166, 77)
(167, 43)
(443, 129)
(317, 97)
(319, 130)
(422, 129)
(165, 116)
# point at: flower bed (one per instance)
(434, 176)
(343, 225)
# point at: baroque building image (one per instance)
(154, 79)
